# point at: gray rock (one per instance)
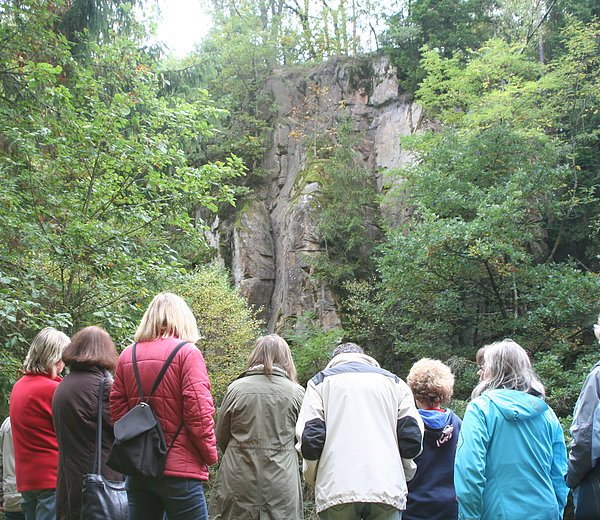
(275, 241)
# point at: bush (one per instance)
(312, 346)
(227, 324)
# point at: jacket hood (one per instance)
(434, 419)
(350, 358)
(439, 427)
(515, 405)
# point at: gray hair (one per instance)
(347, 348)
(507, 366)
(45, 351)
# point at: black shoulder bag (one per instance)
(140, 448)
(101, 498)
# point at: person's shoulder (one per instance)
(595, 372)
(189, 352)
(453, 416)
(479, 403)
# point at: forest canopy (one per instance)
(115, 159)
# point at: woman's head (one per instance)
(431, 382)
(91, 346)
(479, 359)
(272, 350)
(45, 352)
(167, 315)
(507, 365)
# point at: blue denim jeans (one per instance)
(361, 511)
(178, 498)
(39, 504)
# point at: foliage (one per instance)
(304, 30)
(450, 26)
(234, 62)
(227, 324)
(248, 42)
(312, 347)
(97, 188)
(348, 221)
(485, 256)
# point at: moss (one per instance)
(242, 209)
(314, 172)
(360, 74)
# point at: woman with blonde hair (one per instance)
(431, 494)
(90, 356)
(511, 457)
(259, 474)
(34, 438)
(182, 403)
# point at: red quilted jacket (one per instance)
(183, 393)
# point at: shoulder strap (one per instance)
(160, 375)
(97, 469)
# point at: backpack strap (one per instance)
(160, 375)
(159, 378)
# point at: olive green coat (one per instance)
(259, 476)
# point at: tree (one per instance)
(478, 262)
(96, 185)
(454, 27)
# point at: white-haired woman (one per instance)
(182, 403)
(34, 438)
(259, 475)
(511, 456)
(583, 475)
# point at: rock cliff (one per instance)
(274, 232)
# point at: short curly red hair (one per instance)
(431, 382)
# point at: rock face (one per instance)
(274, 232)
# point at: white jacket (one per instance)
(358, 431)
(10, 498)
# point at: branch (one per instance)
(563, 222)
(495, 288)
(128, 182)
(534, 29)
(88, 196)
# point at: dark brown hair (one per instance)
(91, 346)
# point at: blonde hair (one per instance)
(272, 350)
(507, 365)
(45, 351)
(431, 382)
(167, 315)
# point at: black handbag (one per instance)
(102, 498)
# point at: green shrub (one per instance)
(227, 324)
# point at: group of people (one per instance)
(373, 446)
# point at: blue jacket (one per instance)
(511, 459)
(431, 493)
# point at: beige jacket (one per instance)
(10, 498)
(358, 431)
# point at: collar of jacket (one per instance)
(259, 370)
(352, 358)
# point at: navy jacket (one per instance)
(431, 493)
